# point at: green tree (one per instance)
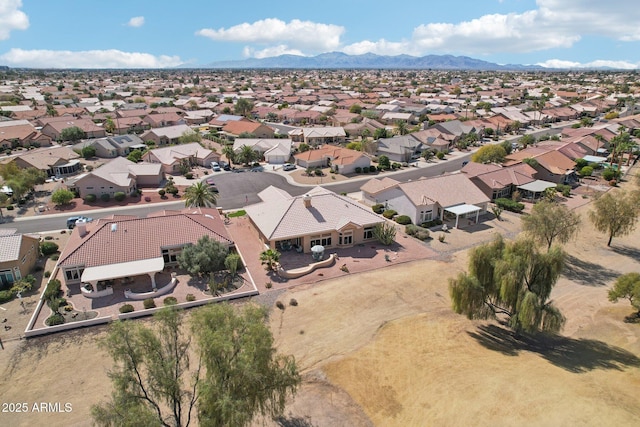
(228, 152)
(153, 380)
(232, 262)
(384, 162)
(355, 109)
(526, 140)
(206, 256)
(88, 151)
(549, 222)
(247, 155)
(510, 279)
(401, 126)
(109, 125)
(73, 134)
(489, 154)
(615, 213)
(303, 147)
(243, 374)
(380, 133)
(189, 136)
(270, 258)
(62, 196)
(385, 233)
(243, 107)
(200, 195)
(627, 286)
(135, 156)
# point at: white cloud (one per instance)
(136, 21)
(12, 18)
(381, 47)
(296, 34)
(599, 63)
(268, 52)
(87, 59)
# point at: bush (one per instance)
(48, 248)
(149, 303)
(188, 175)
(90, 198)
(365, 170)
(509, 205)
(170, 301)
(54, 319)
(608, 174)
(280, 305)
(47, 274)
(580, 163)
(358, 169)
(105, 197)
(293, 302)
(418, 232)
(48, 238)
(440, 155)
(442, 237)
(119, 196)
(403, 219)
(395, 165)
(586, 171)
(10, 207)
(564, 189)
(378, 208)
(191, 297)
(55, 257)
(613, 183)
(389, 213)
(372, 168)
(432, 223)
(127, 308)
(318, 172)
(162, 192)
(268, 285)
(53, 289)
(6, 296)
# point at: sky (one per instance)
(166, 33)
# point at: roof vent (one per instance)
(307, 201)
(114, 227)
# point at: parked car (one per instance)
(71, 221)
(212, 185)
(225, 166)
(288, 167)
(215, 167)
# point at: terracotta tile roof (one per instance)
(141, 238)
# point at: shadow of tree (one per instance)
(587, 273)
(633, 253)
(292, 421)
(573, 355)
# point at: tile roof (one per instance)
(168, 155)
(282, 216)
(10, 247)
(141, 238)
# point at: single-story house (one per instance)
(497, 181)
(400, 148)
(113, 146)
(132, 246)
(319, 217)
(426, 199)
(551, 165)
(118, 175)
(160, 120)
(172, 157)
(54, 129)
(55, 161)
(233, 129)
(318, 135)
(275, 151)
(18, 256)
(166, 135)
(21, 133)
(341, 160)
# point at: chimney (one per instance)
(307, 201)
(81, 225)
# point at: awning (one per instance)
(122, 269)
(537, 186)
(462, 209)
(595, 159)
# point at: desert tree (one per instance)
(206, 256)
(153, 380)
(615, 213)
(243, 374)
(489, 154)
(73, 134)
(62, 196)
(512, 280)
(627, 286)
(385, 233)
(549, 222)
(243, 107)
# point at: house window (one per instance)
(346, 238)
(426, 216)
(89, 188)
(24, 259)
(170, 256)
(323, 240)
(368, 233)
(73, 274)
(6, 278)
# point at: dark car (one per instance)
(212, 185)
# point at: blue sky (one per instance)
(163, 33)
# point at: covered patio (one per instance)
(463, 210)
(98, 281)
(534, 190)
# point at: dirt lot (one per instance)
(384, 348)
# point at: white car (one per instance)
(288, 167)
(215, 167)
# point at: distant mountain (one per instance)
(369, 61)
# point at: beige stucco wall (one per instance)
(29, 250)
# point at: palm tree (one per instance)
(270, 258)
(200, 195)
(246, 154)
(402, 127)
(599, 139)
(229, 153)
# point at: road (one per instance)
(236, 191)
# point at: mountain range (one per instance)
(341, 60)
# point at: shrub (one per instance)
(48, 238)
(293, 302)
(53, 289)
(89, 168)
(188, 175)
(318, 172)
(149, 303)
(161, 192)
(372, 168)
(48, 248)
(440, 155)
(54, 319)
(608, 174)
(68, 308)
(418, 232)
(268, 285)
(403, 219)
(119, 196)
(395, 165)
(6, 295)
(442, 237)
(613, 183)
(191, 297)
(509, 205)
(365, 170)
(580, 163)
(10, 207)
(170, 301)
(47, 274)
(127, 308)
(105, 197)
(432, 223)
(38, 268)
(280, 305)
(423, 235)
(358, 169)
(586, 171)
(389, 213)
(55, 257)
(90, 198)
(564, 189)
(378, 208)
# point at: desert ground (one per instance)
(384, 348)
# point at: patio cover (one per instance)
(122, 269)
(463, 210)
(595, 159)
(537, 186)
